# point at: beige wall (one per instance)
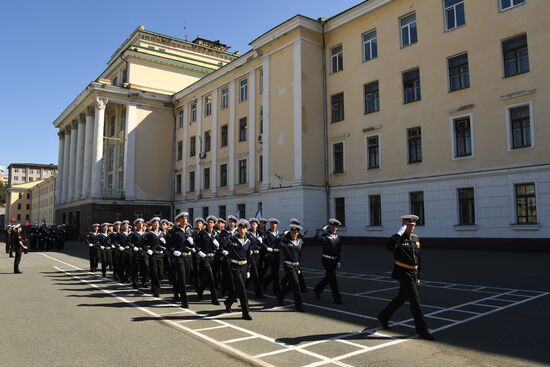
(159, 78)
(43, 200)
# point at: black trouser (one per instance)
(207, 278)
(180, 267)
(106, 256)
(167, 265)
(156, 265)
(195, 271)
(407, 292)
(18, 254)
(225, 264)
(255, 274)
(271, 263)
(94, 258)
(140, 266)
(119, 263)
(292, 284)
(238, 289)
(128, 256)
(330, 277)
(303, 285)
(8, 245)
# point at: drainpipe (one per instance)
(325, 121)
(173, 163)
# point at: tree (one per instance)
(3, 190)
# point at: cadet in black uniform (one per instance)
(303, 285)
(155, 245)
(115, 252)
(238, 252)
(330, 260)
(407, 268)
(19, 246)
(140, 262)
(181, 247)
(105, 253)
(255, 264)
(9, 247)
(272, 259)
(124, 251)
(207, 246)
(291, 247)
(224, 236)
(93, 244)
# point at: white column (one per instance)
(214, 145)
(231, 139)
(58, 180)
(252, 131)
(266, 184)
(72, 161)
(297, 89)
(185, 152)
(200, 150)
(130, 152)
(88, 148)
(97, 156)
(80, 156)
(65, 178)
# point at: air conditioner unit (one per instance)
(260, 138)
(202, 155)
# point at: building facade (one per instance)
(19, 173)
(18, 203)
(43, 202)
(115, 138)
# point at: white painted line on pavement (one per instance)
(211, 328)
(239, 339)
(376, 290)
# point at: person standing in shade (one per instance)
(140, 262)
(9, 247)
(105, 253)
(207, 246)
(93, 245)
(155, 245)
(238, 252)
(405, 246)
(256, 240)
(291, 246)
(330, 260)
(272, 259)
(181, 247)
(18, 247)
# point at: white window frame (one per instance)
(192, 112)
(366, 137)
(224, 98)
(343, 157)
(179, 118)
(514, 211)
(363, 43)
(409, 29)
(452, 120)
(512, 6)
(369, 212)
(243, 90)
(507, 109)
(207, 105)
(332, 71)
(466, 185)
(447, 29)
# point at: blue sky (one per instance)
(52, 49)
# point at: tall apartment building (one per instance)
(43, 202)
(115, 138)
(19, 173)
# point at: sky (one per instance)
(51, 50)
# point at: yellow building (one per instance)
(18, 203)
(43, 202)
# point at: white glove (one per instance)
(177, 253)
(216, 243)
(102, 247)
(190, 240)
(269, 249)
(337, 265)
(261, 239)
(299, 271)
(247, 274)
(136, 249)
(113, 246)
(194, 250)
(402, 230)
(150, 252)
(121, 248)
(162, 240)
(91, 244)
(225, 253)
(202, 254)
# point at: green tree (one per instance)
(3, 189)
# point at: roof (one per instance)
(32, 165)
(25, 186)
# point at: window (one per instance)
(114, 81)
(459, 74)
(223, 175)
(373, 152)
(515, 55)
(337, 107)
(193, 111)
(18, 216)
(122, 119)
(336, 59)
(417, 206)
(191, 181)
(338, 158)
(261, 168)
(110, 182)
(340, 210)
(454, 14)
(242, 171)
(242, 129)
(192, 146)
(206, 176)
(372, 97)
(207, 140)
(520, 127)
(508, 4)
(204, 211)
(526, 204)
(223, 140)
(370, 46)
(20, 195)
(261, 81)
(462, 137)
(414, 137)
(375, 210)
(241, 211)
(110, 159)
(408, 30)
(27, 217)
(225, 98)
(19, 206)
(243, 90)
(180, 119)
(466, 208)
(207, 105)
(112, 125)
(411, 86)
(120, 180)
(222, 211)
(180, 150)
(125, 75)
(178, 183)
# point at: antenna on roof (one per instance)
(184, 32)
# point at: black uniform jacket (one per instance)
(406, 253)
(239, 251)
(331, 245)
(292, 250)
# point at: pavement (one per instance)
(485, 308)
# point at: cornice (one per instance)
(284, 28)
(353, 13)
(136, 54)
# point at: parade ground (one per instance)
(485, 308)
